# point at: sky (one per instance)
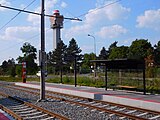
(107, 20)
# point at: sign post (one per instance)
(24, 72)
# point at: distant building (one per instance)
(56, 25)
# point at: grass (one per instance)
(16, 79)
(152, 85)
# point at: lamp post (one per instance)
(94, 42)
(94, 53)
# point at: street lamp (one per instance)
(94, 53)
(94, 42)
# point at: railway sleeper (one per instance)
(26, 109)
(121, 118)
(49, 118)
(155, 117)
(120, 109)
(31, 114)
(24, 112)
(35, 117)
(142, 114)
(132, 111)
(17, 107)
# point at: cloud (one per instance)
(34, 19)
(99, 17)
(19, 33)
(87, 48)
(150, 19)
(76, 30)
(63, 4)
(113, 12)
(111, 31)
(4, 2)
(50, 4)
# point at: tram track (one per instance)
(21, 110)
(120, 111)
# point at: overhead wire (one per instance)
(106, 5)
(66, 21)
(16, 15)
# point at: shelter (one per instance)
(123, 64)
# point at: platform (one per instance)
(135, 99)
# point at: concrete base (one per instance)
(135, 100)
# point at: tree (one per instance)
(12, 67)
(56, 58)
(112, 46)
(73, 52)
(29, 56)
(140, 49)
(19, 70)
(119, 52)
(103, 54)
(157, 53)
(4, 66)
(8, 67)
(86, 64)
(1, 71)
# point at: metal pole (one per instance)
(42, 77)
(106, 77)
(94, 42)
(94, 53)
(75, 71)
(61, 74)
(144, 82)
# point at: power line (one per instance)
(106, 5)
(16, 15)
(21, 10)
(35, 13)
(100, 8)
(65, 22)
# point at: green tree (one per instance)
(73, 51)
(19, 70)
(103, 54)
(12, 67)
(4, 67)
(29, 56)
(157, 53)
(56, 58)
(86, 64)
(1, 71)
(140, 49)
(119, 52)
(112, 46)
(8, 67)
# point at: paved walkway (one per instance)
(123, 97)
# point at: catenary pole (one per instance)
(42, 77)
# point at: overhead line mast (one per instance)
(42, 60)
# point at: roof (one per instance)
(122, 63)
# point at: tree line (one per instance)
(63, 57)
